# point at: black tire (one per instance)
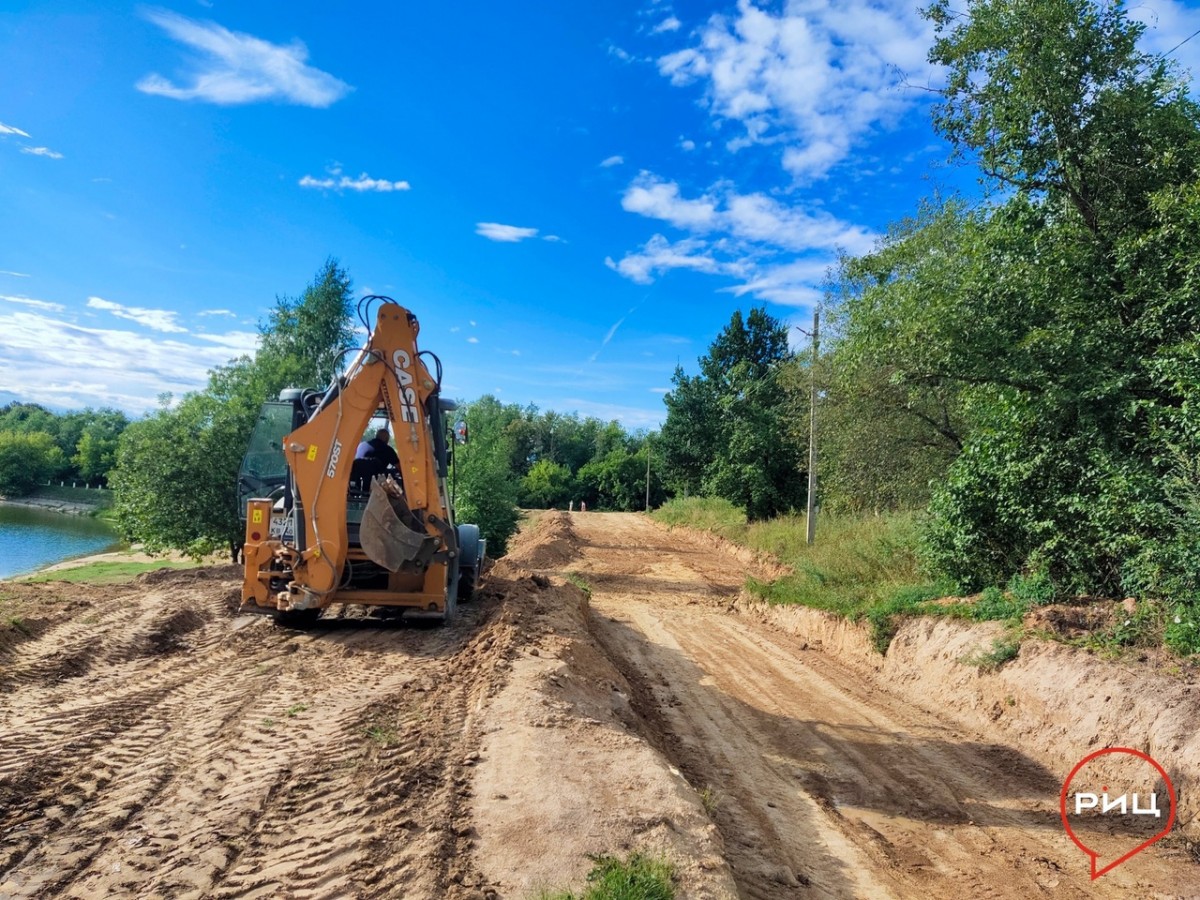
(297, 618)
(466, 584)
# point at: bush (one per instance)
(1182, 633)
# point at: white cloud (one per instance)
(751, 217)
(622, 55)
(29, 301)
(659, 255)
(363, 182)
(9, 129)
(553, 239)
(42, 151)
(124, 368)
(816, 77)
(658, 199)
(742, 236)
(612, 161)
(158, 319)
(686, 144)
(472, 340)
(668, 24)
(790, 284)
(609, 336)
(629, 416)
(240, 68)
(516, 353)
(14, 274)
(511, 234)
(239, 343)
(219, 312)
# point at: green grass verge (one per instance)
(106, 572)
(639, 877)
(864, 568)
(92, 497)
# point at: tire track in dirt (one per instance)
(820, 782)
(195, 753)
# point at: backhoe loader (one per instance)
(323, 527)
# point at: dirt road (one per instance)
(821, 783)
(155, 743)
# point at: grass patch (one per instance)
(295, 709)
(16, 623)
(863, 568)
(382, 735)
(580, 582)
(639, 877)
(710, 800)
(106, 572)
(1003, 650)
(102, 500)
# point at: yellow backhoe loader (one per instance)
(323, 526)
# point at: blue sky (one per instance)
(572, 197)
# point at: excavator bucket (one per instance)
(390, 534)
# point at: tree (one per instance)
(96, 449)
(176, 472)
(1059, 323)
(727, 430)
(26, 460)
(1057, 100)
(485, 485)
(303, 338)
(547, 485)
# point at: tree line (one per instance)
(38, 446)
(1024, 367)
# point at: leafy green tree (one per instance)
(173, 480)
(28, 417)
(27, 458)
(176, 472)
(485, 486)
(728, 430)
(617, 481)
(96, 449)
(303, 338)
(547, 485)
(1059, 324)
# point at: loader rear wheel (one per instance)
(466, 584)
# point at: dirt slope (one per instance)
(822, 783)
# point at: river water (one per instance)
(31, 538)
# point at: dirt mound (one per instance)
(1072, 621)
(550, 545)
(170, 576)
(564, 769)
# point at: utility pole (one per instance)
(812, 432)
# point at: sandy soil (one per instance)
(156, 743)
(823, 783)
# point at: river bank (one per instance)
(69, 501)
